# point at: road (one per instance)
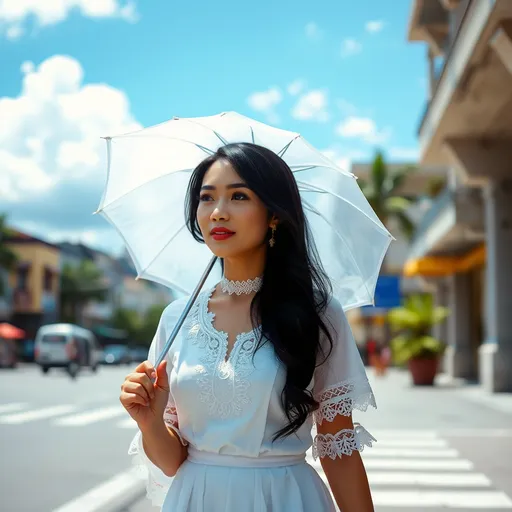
(64, 444)
(59, 437)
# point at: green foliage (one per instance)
(141, 330)
(414, 322)
(382, 192)
(79, 285)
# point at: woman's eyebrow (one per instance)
(231, 185)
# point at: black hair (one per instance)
(295, 290)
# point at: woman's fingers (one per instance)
(137, 388)
(147, 368)
(145, 381)
(130, 399)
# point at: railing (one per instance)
(457, 17)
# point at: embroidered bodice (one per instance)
(232, 404)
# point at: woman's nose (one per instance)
(219, 212)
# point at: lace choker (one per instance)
(241, 287)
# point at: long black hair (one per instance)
(295, 290)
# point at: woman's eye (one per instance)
(205, 197)
(239, 196)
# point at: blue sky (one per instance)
(339, 72)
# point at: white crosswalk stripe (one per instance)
(86, 418)
(11, 407)
(411, 470)
(37, 414)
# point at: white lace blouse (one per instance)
(233, 406)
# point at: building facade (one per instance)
(33, 286)
(464, 244)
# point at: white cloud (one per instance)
(14, 13)
(362, 128)
(265, 102)
(296, 87)
(401, 153)
(350, 47)
(312, 106)
(313, 31)
(342, 158)
(374, 26)
(13, 32)
(51, 154)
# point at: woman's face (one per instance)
(233, 220)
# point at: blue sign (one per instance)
(387, 292)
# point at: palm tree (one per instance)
(381, 191)
(79, 285)
(8, 258)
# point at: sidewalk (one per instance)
(449, 404)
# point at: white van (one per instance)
(66, 346)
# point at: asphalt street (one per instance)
(64, 445)
(59, 438)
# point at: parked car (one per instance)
(116, 354)
(66, 346)
(138, 354)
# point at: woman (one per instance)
(262, 356)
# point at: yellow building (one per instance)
(34, 284)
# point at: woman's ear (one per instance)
(274, 221)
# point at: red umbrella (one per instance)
(10, 332)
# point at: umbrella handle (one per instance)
(185, 311)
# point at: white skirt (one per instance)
(208, 482)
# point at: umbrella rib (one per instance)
(318, 189)
(252, 134)
(163, 248)
(137, 188)
(285, 149)
(316, 212)
(222, 139)
(300, 168)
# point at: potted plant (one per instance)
(414, 343)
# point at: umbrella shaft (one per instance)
(185, 311)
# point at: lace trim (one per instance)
(223, 384)
(342, 443)
(343, 398)
(171, 416)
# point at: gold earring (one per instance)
(272, 240)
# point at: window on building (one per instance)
(22, 278)
(48, 280)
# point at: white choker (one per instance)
(240, 287)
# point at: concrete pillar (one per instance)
(440, 331)
(458, 359)
(495, 355)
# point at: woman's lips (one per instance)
(222, 236)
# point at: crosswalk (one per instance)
(407, 469)
(411, 470)
(64, 415)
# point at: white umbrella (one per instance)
(144, 197)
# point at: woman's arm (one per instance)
(346, 474)
(163, 447)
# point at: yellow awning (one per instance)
(439, 266)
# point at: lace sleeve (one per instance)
(157, 483)
(340, 386)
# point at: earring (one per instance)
(272, 240)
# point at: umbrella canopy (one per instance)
(10, 332)
(148, 174)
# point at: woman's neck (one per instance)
(243, 269)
